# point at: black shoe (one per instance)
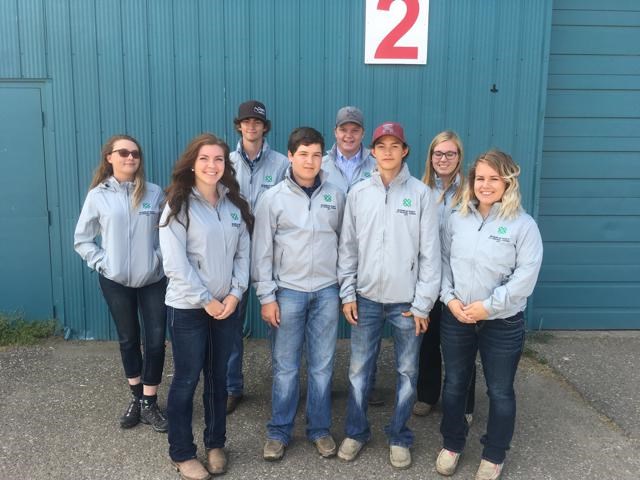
(151, 415)
(132, 416)
(232, 402)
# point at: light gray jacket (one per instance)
(446, 205)
(268, 171)
(492, 260)
(335, 175)
(208, 260)
(128, 253)
(295, 240)
(389, 245)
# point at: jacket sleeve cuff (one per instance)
(237, 292)
(269, 298)
(207, 300)
(487, 306)
(447, 298)
(418, 313)
(349, 298)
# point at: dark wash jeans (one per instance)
(200, 344)
(124, 304)
(500, 343)
(430, 364)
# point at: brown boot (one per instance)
(216, 461)
(192, 470)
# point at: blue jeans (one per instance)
(124, 304)
(430, 364)
(200, 344)
(235, 378)
(500, 343)
(364, 351)
(309, 319)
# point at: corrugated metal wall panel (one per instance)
(163, 150)
(60, 67)
(590, 176)
(167, 70)
(10, 47)
(32, 39)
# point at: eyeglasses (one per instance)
(450, 155)
(124, 153)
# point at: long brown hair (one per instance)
(105, 169)
(183, 180)
(429, 177)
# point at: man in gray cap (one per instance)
(258, 168)
(348, 161)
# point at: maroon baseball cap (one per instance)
(388, 128)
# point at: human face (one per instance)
(389, 152)
(252, 129)
(349, 138)
(209, 167)
(124, 168)
(305, 163)
(444, 166)
(488, 187)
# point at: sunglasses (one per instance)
(124, 153)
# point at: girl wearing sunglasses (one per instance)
(204, 236)
(123, 210)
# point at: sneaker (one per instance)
(422, 409)
(132, 416)
(349, 449)
(232, 402)
(375, 399)
(469, 418)
(151, 415)
(273, 450)
(488, 470)
(191, 470)
(216, 461)
(447, 462)
(326, 446)
(400, 457)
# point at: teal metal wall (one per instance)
(165, 70)
(590, 188)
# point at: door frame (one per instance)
(51, 185)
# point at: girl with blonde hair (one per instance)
(491, 256)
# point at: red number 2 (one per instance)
(387, 47)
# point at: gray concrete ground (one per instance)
(577, 417)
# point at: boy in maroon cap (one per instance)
(389, 271)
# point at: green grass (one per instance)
(15, 330)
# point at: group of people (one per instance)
(448, 262)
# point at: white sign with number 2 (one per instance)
(396, 31)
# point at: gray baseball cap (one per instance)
(349, 115)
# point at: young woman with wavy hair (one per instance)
(123, 210)
(491, 256)
(204, 237)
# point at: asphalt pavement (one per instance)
(578, 416)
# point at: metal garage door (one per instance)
(590, 187)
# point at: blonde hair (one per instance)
(508, 170)
(105, 169)
(430, 174)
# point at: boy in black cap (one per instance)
(258, 168)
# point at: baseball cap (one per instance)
(349, 115)
(389, 128)
(252, 109)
